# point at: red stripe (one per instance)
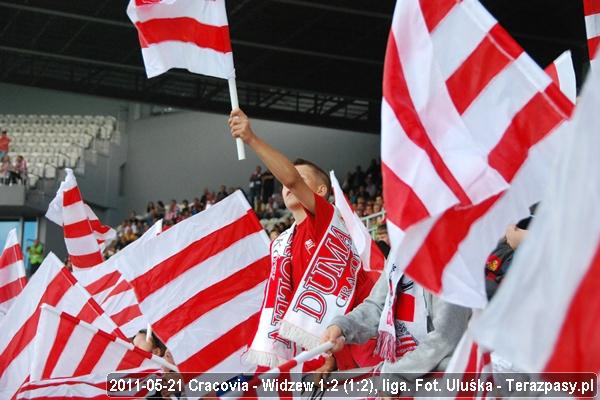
(10, 256)
(96, 348)
(52, 295)
(98, 227)
(377, 259)
(211, 298)
(35, 385)
(78, 229)
(71, 196)
(435, 10)
(403, 207)
(127, 314)
(63, 333)
(223, 347)
(553, 73)
(441, 244)
(12, 289)
(121, 287)
(194, 254)
(593, 44)
(105, 282)
(87, 260)
(478, 70)
(395, 91)
(591, 7)
(469, 373)
(577, 348)
(91, 311)
(184, 29)
(530, 125)
(133, 359)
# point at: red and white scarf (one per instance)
(403, 322)
(292, 320)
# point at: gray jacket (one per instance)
(432, 354)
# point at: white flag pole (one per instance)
(241, 151)
(148, 332)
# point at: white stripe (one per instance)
(11, 273)
(82, 246)
(43, 344)
(161, 57)
(437, 113)
(183, 234)
(411, 164)
(222, 265)
(63, 391)
(592, 25)
(478, 117)
(566, 75)
(450, 53)
(215, 323)
(77, 345)
(74, 213)
(208, 12)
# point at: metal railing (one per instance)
(370, 222)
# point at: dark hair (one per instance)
(317, 170)
(155, 340)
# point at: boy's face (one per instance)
(310, 178)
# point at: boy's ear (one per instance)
(322, 190)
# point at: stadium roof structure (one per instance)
(308, 61)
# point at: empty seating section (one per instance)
(49, 142)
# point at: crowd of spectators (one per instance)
(11, 172)
(362, 187)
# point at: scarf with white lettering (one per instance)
(292, 320)
(403, 322)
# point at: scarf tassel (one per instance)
(386, 346)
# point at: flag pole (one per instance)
(241, 151)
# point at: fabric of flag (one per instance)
(188, 34)
(108, 287)
(201, 284)
(93, 387)
(83, 231)
(544, 316)
(459, 123)
(54, 285)
(65, 346)
(591, 9)
(563, 74)
(12, 272)
(371, 256)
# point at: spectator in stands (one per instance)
(196, 206)
(6, 170)
(205, 196)
(382, 234)
(4, 143)
(358, 177)
(150, 216)
(154, 345)
(173, 211)
(274, 233)
(20, 168)
(36, 256)
(222, 193)
(268, 185)
(374, 170)
(255, 185)
(370, 186)
(160, 209)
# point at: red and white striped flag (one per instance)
(54, 285)
(563, 74)
(12, 272)
(371, 256)
(188, 34)
(201, 284)
(66, 346)
(459, 123)
(544, 317)
(591, 9)
(108, 287)
(83, 232)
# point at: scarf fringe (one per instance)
(298, 335)
(261, 358)
(386, 346)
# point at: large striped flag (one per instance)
(84, 234)
(464, 110)
(563, 74)
(371, 256)
(66, 346)
(201, 284)
(544, 317)
(12, 272)
(188, 34)
(108, 287)
(591, 9)
(54, 285)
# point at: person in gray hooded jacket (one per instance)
(446, 325)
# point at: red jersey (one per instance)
(4, 141)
